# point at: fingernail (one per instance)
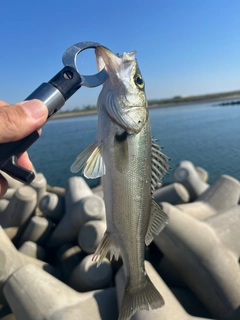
(35, 108)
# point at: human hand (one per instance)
(18, 121)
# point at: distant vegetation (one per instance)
(191, 99)
(86, 108)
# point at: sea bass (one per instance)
(131, 164)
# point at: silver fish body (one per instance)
(131, 165)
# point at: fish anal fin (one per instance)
(158, 220)
(142, 298)
(90, 161)
(105, 246)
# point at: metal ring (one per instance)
(70, 57)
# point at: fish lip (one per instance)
(106, 59)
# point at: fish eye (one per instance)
(139, 81)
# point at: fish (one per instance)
(131, 164)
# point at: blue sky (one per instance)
(184, 47)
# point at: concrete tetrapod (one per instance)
(36, 295)
(87, 276)
(37, 230)
(81, 206)
(3, 205)
(12, 183)
(33, 250)
(227, 226)
(9, 194)
(39, 184)
(90, 235)
(204, 263)
(52, 205)
(11, 260)
(57, 190)
(18, 210)
(68, 257)
(187, 175)
(220, 196)
(174, 193)
(172, 310)
(98, 190)
(203, 174)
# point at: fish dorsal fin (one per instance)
(160, 165)
(106, 245)
(90, 161)
(158, 220)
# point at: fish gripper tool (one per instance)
(54, 94)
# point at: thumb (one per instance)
(19, 120)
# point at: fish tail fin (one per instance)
(142, 298)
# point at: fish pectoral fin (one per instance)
(106, 245)
(158, 220)
(90, 161)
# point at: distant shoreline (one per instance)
(199, 101)
(161, 104)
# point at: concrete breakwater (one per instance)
(49, 234)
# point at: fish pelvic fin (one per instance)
(90, 161)
(106, 245)
(143, 299)
(158, 220)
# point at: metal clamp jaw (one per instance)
(54, 94)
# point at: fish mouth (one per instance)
(110, 61)
(106, 59)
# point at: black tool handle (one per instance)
(54, 94)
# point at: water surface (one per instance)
(206, 135)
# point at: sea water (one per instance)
(205, 134)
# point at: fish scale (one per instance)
(126, 156)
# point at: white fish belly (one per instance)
(127, 193)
